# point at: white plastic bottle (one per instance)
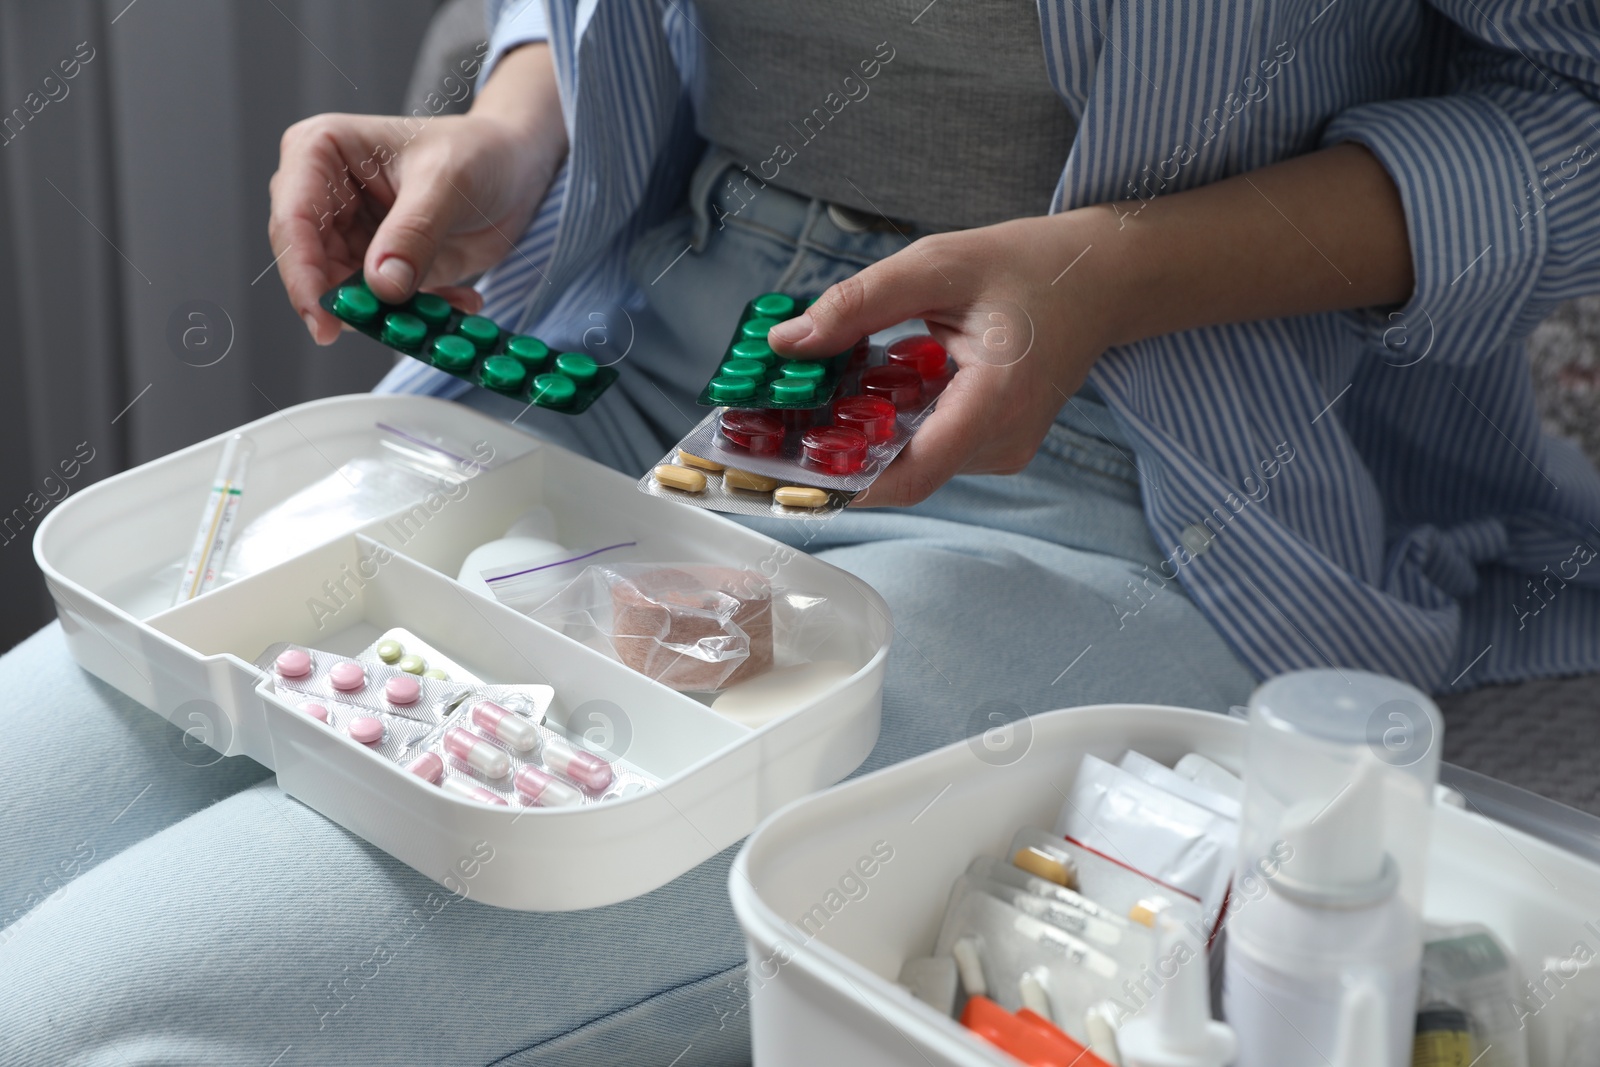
(1338, 802)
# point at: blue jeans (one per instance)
(164, 906)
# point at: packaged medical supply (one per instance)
(530, 542)
(1466, 969)
(1026, 1036)
(528, 581)
(799, 437)
(487, 743)
(753, 376)
(692, 627)
(1443, 1037)
(215, 533)
(1168, 779)
(1212, 776)
(1152, 829)
(1130, 944)
(414, 472)
(472, 348)
(1340, 774)
(1009, 946)
(1113, 884)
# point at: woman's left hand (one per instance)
(1021, 310)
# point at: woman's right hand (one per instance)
(415, 206)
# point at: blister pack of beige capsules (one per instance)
(794, 463)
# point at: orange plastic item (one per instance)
(1029, 1037)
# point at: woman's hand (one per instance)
(415, 203)
(1026, 307)
(1022, 328)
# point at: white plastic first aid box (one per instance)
(836, 891)
(113, 553)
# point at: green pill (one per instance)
(453, 354)
(479, 330)
(578, 366)
(433, 310)
(412, 664)
(793, 390)
(756, 329)
(811, 372)
(389, 651)
(757, 350)
(773, 305)
(530, 350)
(553, 390)
(402, 329)
(504, 374)
(724, 390)
(435, 672)
(743, 368)
(355, 303)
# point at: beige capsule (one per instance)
(689, 459)
(738, 479)
(676, 477)
(799, 496)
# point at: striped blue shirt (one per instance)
(1423, 525)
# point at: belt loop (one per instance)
(705, 177)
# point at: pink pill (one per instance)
(545, 790)
(366, 729)
(585, 768)
(315, 710)
(402, 689)
(428, 766)
(347, 676)
(468, 791)
(294, 663)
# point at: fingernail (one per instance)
(311, 324)
(792, 330)
(398, 272)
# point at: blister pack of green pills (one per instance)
(754, 376)
(472, 348)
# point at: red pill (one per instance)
(835, 449)
(798, 418)
(901, 386)
(859, 354)
(921, 353)
(872, 415)
(759, 431)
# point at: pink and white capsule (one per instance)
(513, 729)
(428, 766)
(476, 753)
(467, 791)
(585, 768)
(546, 790)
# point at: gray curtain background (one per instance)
(133, 198)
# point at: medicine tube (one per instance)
(476, 753)
(1340, 770)
(215, 532)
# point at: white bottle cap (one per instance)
(1177, 1030)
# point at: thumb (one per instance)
(408, 239)
(906, 285)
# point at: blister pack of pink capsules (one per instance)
(796, 463)
(485, 743)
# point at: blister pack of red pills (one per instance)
(485, 743)
(796, 463)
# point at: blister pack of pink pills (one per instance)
(375, 687)
(797, 463)
(485, 743)
(494, 756)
